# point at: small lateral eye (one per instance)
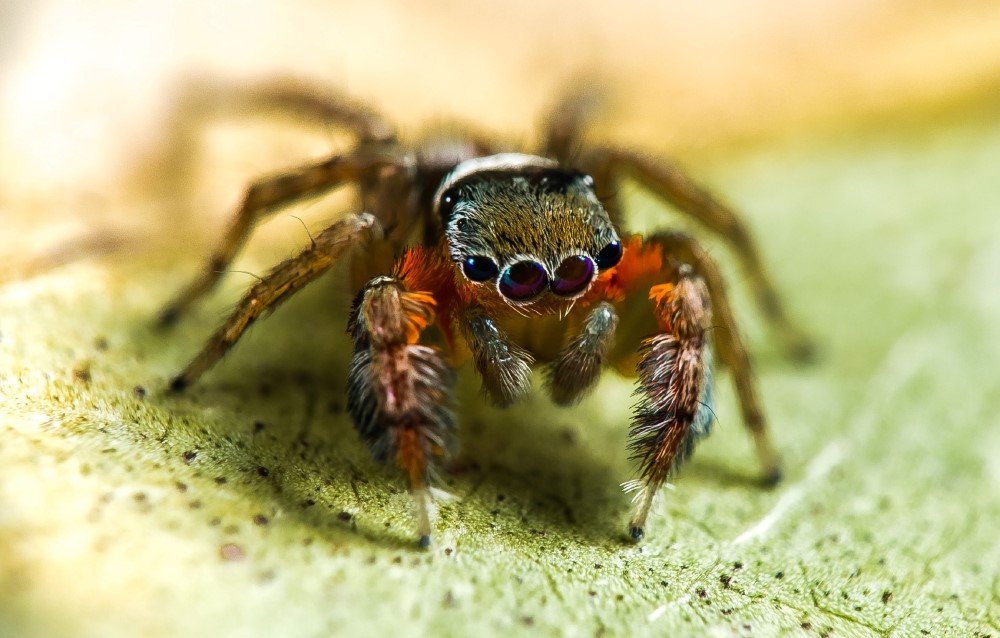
(447, 205)
(610, 255)
(480, 268)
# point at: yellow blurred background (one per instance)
(85, 87)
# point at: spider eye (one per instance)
(480, 268)
(523, 280)
(610, 255)
(447, 205)
(573, 275)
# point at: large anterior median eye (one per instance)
(523, 280)
(573, 276)
(610, 255)
(480, 268)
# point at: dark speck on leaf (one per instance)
(260, 519)
(345, 516)
(190, 455)
(101, 343)
(701, 592)
(82, 373)
(779, 575)
(725, 579)
(263, 472)
(887, 597)
(258, 427)
(308, 502)
(232, 552)
(181, 487)
(448, 551)
(221, 480)
(139, 392)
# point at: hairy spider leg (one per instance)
(203, 100)
(399, 389)
(264, 198)
(672, 185)
(674, 366)
(732, 350)
(276, 286)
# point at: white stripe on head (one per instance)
(501, 162)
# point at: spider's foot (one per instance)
(178, 384)
(802, 349)
(643, 503)
(168, 317)
(772, 477)
(425, 515)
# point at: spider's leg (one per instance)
(565, 123)
(732, 351)
(276, 286)
(675, 387)
(505, 367)
(264, 198)
(670, 183)
(578, 366)
(398, 389)
(202, 101)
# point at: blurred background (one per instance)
(86, 88)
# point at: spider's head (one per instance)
(525, 228)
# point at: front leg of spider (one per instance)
(398, 389)
(675, 387)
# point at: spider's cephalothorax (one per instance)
(525, 231)
(520, 260)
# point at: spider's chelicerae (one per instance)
(462, 248)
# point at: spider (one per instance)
(465, 249)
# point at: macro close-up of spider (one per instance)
(499, 319)
(463, 248)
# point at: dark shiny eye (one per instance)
(573, 275)
(479, 268)
(447, 205)
(609, 255)
(523, 280)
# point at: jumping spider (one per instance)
(517, 260)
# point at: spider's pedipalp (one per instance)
(578, 366)
(505, 368)
(276, 286)
(398, 390)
